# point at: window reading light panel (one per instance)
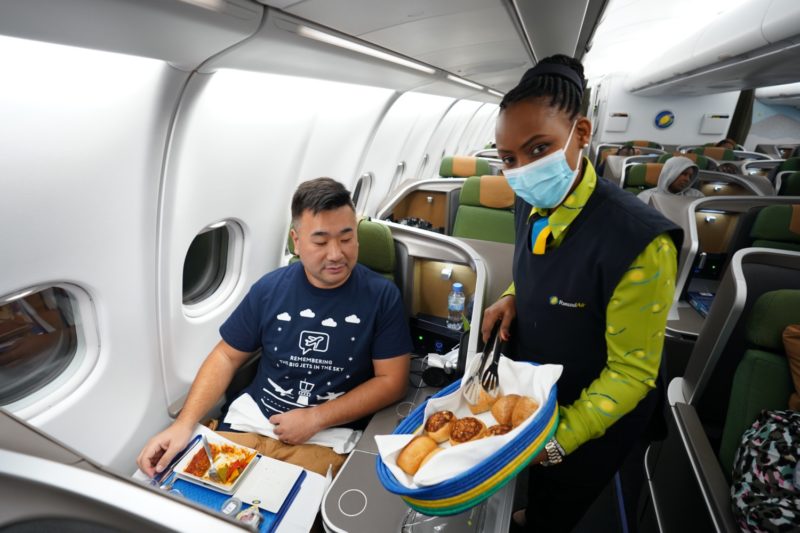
(317, 35)
(462, 81)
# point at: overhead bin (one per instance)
(728, 53)
(786, 94)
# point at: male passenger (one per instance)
(333, 336)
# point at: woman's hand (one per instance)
(504, 310)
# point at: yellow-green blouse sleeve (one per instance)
(512, 290)
(636, 317)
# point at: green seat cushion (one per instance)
(793, 163)
(771, 313)
(776, 227)
(715, 152)
(485, 224)
(702, 162)
(790, 185)
(376, 247)
(643, 175)
(762, 381)
(463, 167)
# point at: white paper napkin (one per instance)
(515, 378)
(245, 415)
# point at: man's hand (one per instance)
(160, 450)
(504, 310)
(296, 426)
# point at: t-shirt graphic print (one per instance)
(317, 344)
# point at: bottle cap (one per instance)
(458, 287)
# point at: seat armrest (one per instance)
(708, 472)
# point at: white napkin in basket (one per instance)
(245, 415)
(515, 378)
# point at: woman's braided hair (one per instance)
(563, 91)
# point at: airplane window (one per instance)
(205, 264)
(37, 340)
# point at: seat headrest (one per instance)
(777, 223)
(643, 175)
(645, 144)
(376, 246)
(458, 166)
(487, 191)
(701, 161)
(790, 185)
(793, 163)
(715, 152)
(771, 313)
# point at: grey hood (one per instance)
(673, 168)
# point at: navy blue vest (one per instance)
(562, 295)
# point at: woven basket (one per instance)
(470, 488)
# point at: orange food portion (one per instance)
(230, 462)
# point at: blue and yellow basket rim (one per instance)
(484, 479)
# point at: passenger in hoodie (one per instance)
(677, 177)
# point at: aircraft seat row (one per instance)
(736, 368)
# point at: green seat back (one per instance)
(715, 152)
(777, 226)
(793, 163)
(463, 167)
(790, 185)
(642, 176)
(701, 161)
(643, 144)
(762, 379)
(485, 210)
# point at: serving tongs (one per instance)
(472, 380)
(213, 475)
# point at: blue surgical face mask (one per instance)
(546, 181)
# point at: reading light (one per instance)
(496, 93)
(317, 35)
(462, 81)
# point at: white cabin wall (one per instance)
(474, 137)
(445, 138)
(83, 135)
(243, 142)
(402, 137)
(688, 111)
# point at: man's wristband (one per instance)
(555, 453)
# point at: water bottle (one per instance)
(455, 306)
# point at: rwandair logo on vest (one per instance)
(555, 300)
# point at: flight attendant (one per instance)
(594, 278)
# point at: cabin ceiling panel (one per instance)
(180, 33)
(553, 27)
(466, 37)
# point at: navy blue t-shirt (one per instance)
(317, 344)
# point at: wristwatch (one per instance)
(555, 453)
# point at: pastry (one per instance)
(485, 402)
(503, 407)
(466, 429)
(414, 452)
(429, 456)
(524, 408)
(438, 425)
(497, 429)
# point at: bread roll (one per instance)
(438, 425)
(429, 456)
(525, 407)
(466, 429)
(503, 407)
(411, 456)
(497, 429)
(485, 402)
